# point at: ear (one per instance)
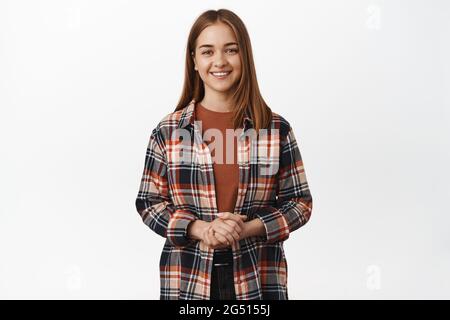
(195, 62)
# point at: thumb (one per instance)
(244, 217)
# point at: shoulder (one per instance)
(168, 123)
(281, 123)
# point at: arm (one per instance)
(294, 201)
(253, 228)
(196, 228)
(153, 202)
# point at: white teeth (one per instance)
(220, 74)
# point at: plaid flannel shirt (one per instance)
(174, 192)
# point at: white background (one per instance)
(365, 84)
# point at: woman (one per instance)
(224, 220)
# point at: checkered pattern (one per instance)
(174, 193)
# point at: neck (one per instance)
(217, 101)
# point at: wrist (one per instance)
(253, 228)
(195, 229)
(246, 232)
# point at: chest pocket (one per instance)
(265, 163)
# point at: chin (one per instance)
(221, 88)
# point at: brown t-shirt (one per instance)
(226, 172)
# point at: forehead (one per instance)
(216, 34)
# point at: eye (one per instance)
(233, 50)
(206, 52)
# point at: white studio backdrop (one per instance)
(365, 84)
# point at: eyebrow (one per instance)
(211, 46)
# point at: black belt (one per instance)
(223, 258)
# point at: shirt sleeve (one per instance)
(153, 202)
(294, 202)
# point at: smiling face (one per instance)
(217, 58)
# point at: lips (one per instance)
(220, 74)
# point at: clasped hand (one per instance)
(224, 231)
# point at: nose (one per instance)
(220, 61)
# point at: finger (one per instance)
(240, 223)
(229, 215)
(231, 236)
(226, 215)
(210, 236)
(235, 235)
(203, 235)
(220, 226)
(213, 237)
(232, 226)
(225, 234)
(225, 242)
(221, 223)
(235, 225)
(220, 244)
(239, 219)
(221, 238)
(206, 237)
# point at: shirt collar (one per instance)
(187, 117)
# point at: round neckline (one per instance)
(212, 111)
